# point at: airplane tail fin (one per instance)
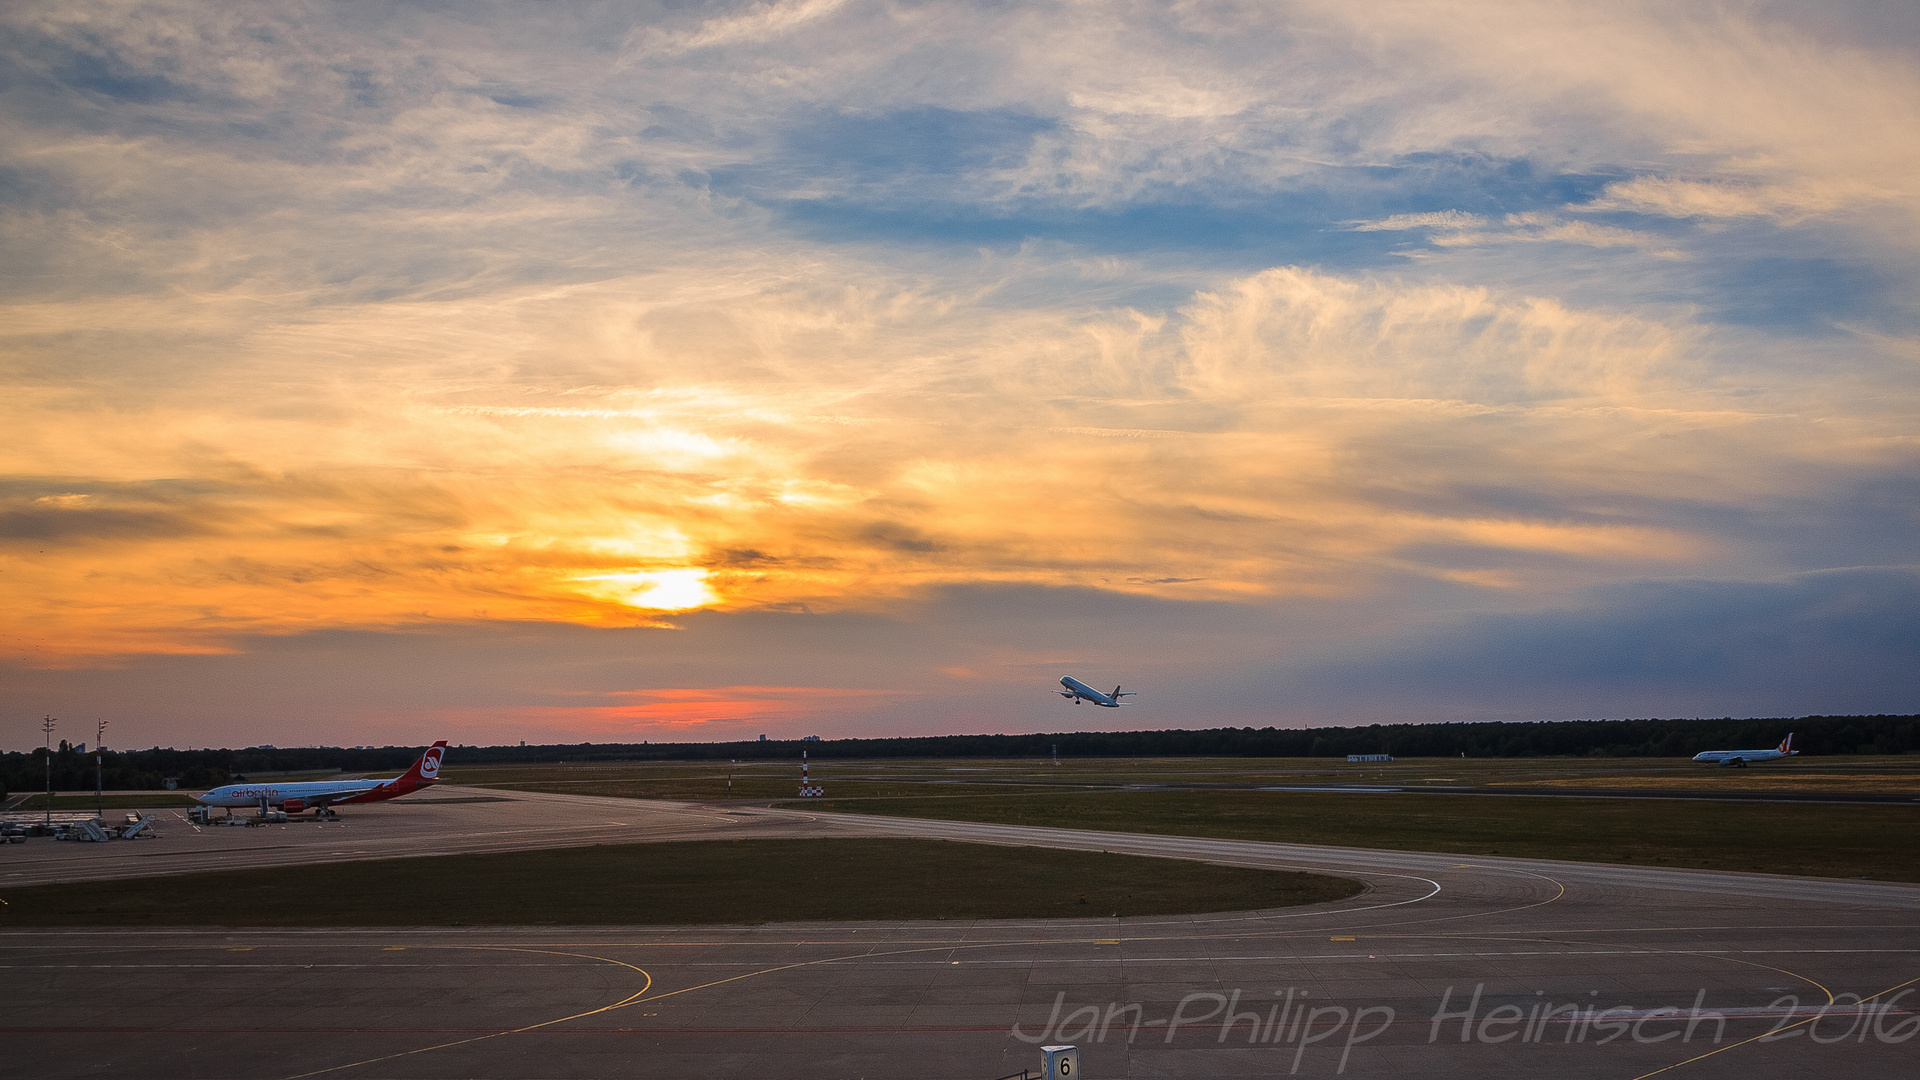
(1786, 744)
(424, 772)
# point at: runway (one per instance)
(1445, 967)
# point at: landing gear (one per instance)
(325, 814)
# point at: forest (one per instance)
(140, 770)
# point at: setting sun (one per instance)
(658, 590)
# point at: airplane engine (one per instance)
(294, 806)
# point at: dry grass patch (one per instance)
(706, 881)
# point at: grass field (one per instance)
(861, 778)
(1822, 840)
(704, 780)
(113, 800)
(1221, 800)
(743, 881)
(1758, 779)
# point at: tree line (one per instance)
(124, 770)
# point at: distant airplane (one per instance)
(322, 796)
(1738, 759)
(1077, 692)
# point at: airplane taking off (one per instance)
(323, 795)
(1738, 759)
(1077, 692)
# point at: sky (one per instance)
(379, 373)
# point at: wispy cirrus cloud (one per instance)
(1787, 203)
(1452, 228)
(1436, 219)
(760, 22)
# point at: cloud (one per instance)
(984, 659)
(1291, 433)
(323, 318)
(1438, 219)
(1293, 332)
(1454, 229)
(759, 23)
(1788, 204)
(75, 525)
(1832, 642)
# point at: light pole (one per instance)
(99, 788)
(47, 726)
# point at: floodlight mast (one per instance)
(47, 725)
(99, 788)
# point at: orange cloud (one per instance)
(1263, 445)
(677, 712)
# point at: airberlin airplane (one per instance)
(323, 795)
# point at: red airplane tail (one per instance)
(1786, 745)
(424, 773)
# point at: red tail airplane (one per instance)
(323, 795)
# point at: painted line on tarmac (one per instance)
(628, 1000)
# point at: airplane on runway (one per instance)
(323, 795)
(1737, 759)
(1077, 692)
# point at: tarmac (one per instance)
(448, 820)
(1444, 967)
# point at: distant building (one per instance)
(763, 738)
(810, 738)
(1369, 757)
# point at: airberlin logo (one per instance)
(430, 765)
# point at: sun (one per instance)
(656, 590)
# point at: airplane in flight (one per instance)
(322, 796)
(1077, 692)
(1738, 759)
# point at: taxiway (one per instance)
(1445, 967)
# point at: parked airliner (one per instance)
(323, 795)
(1738, 759)
(1077, 692)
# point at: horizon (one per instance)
(754, 740)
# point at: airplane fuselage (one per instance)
(1728, 757)
(1077, 692)
(240, 795)
(1741, 758)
